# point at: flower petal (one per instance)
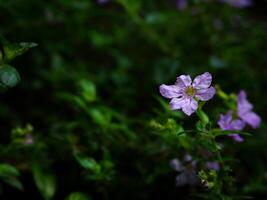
(183, 81)
(252, 119)
(177, 165)
(202, 81)
(213, 165)
(189, 106)
(243, 104)
(225, 121)
(236, 137)
(169, 91)
(237, 125)
(177, 103)
(205, 94)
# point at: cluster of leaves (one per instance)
(89, 90)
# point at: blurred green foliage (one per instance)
(90, 92)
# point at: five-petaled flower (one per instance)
(185, 95)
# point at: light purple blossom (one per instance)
(28, 139)
(185, 95)
(238, 3)
(246, 115)
(102, 1)
(245, 111)
(177, 165)
(187, 178)
(213, 165)
(187, 170)
(227, 123)
(181, 4)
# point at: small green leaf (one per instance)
(88, 90)
(9, 174)
(13, 50)
(9, 77)
(14, 182)
(88, 163)
(78, 196)
(45, 182)
(7, 170)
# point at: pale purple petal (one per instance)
(252, 119)
(225, 121)
(205, 94)
(178, 103)
(202, 81)
(187, 157)
(189, 106)
(102, 1)
(213, 165)
(238, 3)
(169, 91)
(245, 110)
(177, 165)
(183, 81)
(236, 137)
(242, 103)
(186, 178)
(181, 4)
(237, 125)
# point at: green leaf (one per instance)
(9, 174)
(87, 162)
(45, 182)
(88, 90)
(13, 50)
(9, 77)
(14, 182)
(78, 196)
(7, 170)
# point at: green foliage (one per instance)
(77, 196)
(45, 181)
(9, 175)
(90, 90)
(9, 77)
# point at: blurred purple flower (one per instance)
(181, 4)
(184, 94)
(187, 169)
(213, 165)
(227, 123)
(102, 1)
(28, 139)
(177, 165)
(187, 178)
(245, 110)
(238, 3)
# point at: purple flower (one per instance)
(245, 110)
(187, 178)
(227, 123)
(238, 3)
(102, 1)
(181, 4)
(28, 139)
(184, 94)
(187, 170)
(177, 165)
(213, 165)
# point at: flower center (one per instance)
(190, 91)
